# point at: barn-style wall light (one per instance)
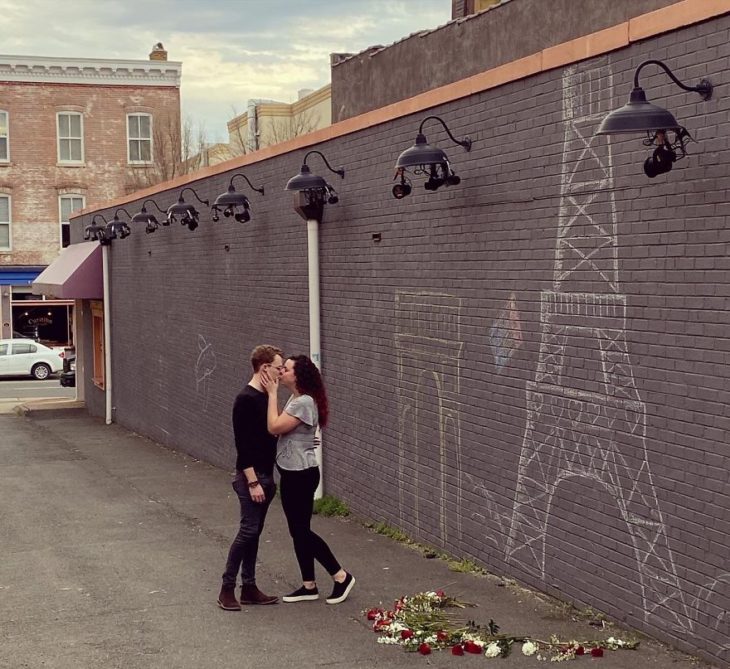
(427, 160)
(96, 232)
(149, 220)
(235, 204)
(312, 192)
(639, 115)
(186, 213)
(118, 228)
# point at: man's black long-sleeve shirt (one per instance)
(255, 446)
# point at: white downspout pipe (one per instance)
(315, 349)
(107, 335)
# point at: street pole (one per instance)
(107, 335)
(315, 347)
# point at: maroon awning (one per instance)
(75, 274)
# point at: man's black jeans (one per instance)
(245, 547)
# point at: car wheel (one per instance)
(41, 371)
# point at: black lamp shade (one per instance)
(230, 198)
(181, 209)
(305, 180)
(143, 217)
(421, 153)
(638, 116)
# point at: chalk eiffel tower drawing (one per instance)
(585, 416)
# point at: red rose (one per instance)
(597, 652)
(580, 650)
(473, 648)
(441, 636)
(406, 634)
(424, 649)
(373, 614)
(458, 649)
(379, 624)
(440, 593)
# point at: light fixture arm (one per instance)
(241, 174)
(205, 202)
(466, 142)
(340, 171)
(101, 216)
(156, 205)
(704, 88)
(116, 213)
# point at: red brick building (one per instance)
(72, 132)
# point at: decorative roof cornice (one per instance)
(93, 71)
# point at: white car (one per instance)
(19, 357)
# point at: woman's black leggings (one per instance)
(297, 497)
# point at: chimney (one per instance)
(158, 52)
(304, 92)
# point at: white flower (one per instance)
(387, 640)
(493, 650)
(529, 648)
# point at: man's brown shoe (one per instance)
(250, 594)
(227, 599)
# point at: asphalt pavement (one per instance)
(112, 548)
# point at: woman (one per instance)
(296, 461)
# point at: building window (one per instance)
(67, 205)
(70, 137)
(139, 138)
(97, 316)
(4, 147)
(4, 222)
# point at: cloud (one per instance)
(231, 50)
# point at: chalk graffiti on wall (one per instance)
(204, 368)
(578, 424)
(429, 350)
(505, 335)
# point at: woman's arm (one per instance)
(276, 423)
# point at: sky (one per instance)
(231, 50)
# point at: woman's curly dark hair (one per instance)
(309, 382)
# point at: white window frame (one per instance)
(139, 139)
(62, 223)
(9, 223)
(70, 137)
(6, 157)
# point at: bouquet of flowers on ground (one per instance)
(432, 620)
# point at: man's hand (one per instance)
(257, 493)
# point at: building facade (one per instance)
(72, 132)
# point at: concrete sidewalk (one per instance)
(112, 548)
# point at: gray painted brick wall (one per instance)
(562, 423)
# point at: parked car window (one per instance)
(23, 348)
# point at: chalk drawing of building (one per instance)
(585, 416)
(429, 349)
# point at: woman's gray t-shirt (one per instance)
(295, 450)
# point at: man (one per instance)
(254, 481)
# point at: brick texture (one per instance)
(34, 178)
(529, 369)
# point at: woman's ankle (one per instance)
(340, 576)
